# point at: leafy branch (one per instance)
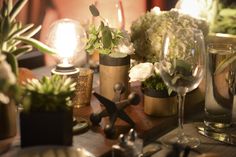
(15, 37)
(102, 39)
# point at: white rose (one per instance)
(6, 72)
(4, 99)
(141, 72)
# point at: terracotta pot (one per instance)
(8, 116)
(158, 103)
(112, 71)
(25, 74)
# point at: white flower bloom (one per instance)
(6, 72)
(128, 49)
(4, 99)
(141, 72)
(156, 10)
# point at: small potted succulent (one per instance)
(147, 34)
(46, 117)
(114, 48)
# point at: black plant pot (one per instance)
(46, 128)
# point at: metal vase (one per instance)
(158, 103)
(112, 71)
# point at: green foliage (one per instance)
(50, 94)
(15, 37)
(94, 10)
(139, 36)
(147, 32)
(224, 18)
(102, 39)
(155, 82)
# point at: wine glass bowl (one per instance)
(182, 66)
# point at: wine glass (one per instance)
(182, 66)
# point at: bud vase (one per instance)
(112, 71)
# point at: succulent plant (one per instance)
(15, 37)
(50, 94)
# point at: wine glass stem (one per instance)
(181, 99)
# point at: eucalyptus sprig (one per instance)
(103, 39)
(15, 37)
(49, 94)
(106, 40)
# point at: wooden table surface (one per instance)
(148, 128)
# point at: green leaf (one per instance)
(101, 26)
(17, 8)
(176, 78)
(4, 9)
(5, 28)
(9, 5)
(94, 11)
(32, 32)
(21, 30)
(104, 51)
(38, 45)
(11, 59)
(117, 55)
(22, 50)
(182, 67)
(106, 37)
(224, 63)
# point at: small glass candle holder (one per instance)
(84, 87)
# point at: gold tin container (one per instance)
(112, 71)
(84, 87)
(159, 104)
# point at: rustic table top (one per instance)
(94, 140)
